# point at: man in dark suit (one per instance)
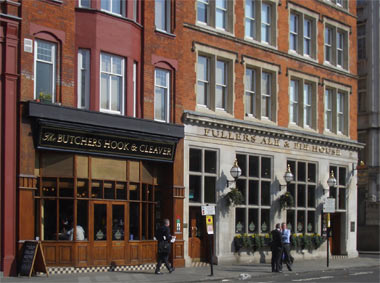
(276, 247)
(163, 237)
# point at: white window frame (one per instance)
(221, 84)
(53, 47)
(250, 93)
(336, 29)
(83, 71)
(211, 15)
(303, 35)
(250, 20)
(166, 16)
(222, 11)
(261, 67)
(335, 91)
(167, 95)
(303, 106)
(204, 81)
(340, 4)
(84, 3)
(122, 75)
(111, 3)
(294, 101)
(259, 24)
(213, 56)
(294, 32)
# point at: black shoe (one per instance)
(158, 273)
(290, 269)
(172, 269)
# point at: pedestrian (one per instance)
(163, 237)
(276, 247)
(285, 238)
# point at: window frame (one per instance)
(339, 187)
(262, 67)
(214, 55)
(122, 91)
(303, 16)
(122, 8)
(167, 94)
(335, 48)
(80, 3)
(257, 34)
(334, 89)
(83, 54)
(203, 174)
(166, 17)
(247, 206)
(211, 15)
(53, 63)
(306, 184)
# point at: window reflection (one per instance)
(100, 222)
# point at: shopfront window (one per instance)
(253, 216)
(203, 175)
(339, 192)
(301, 217)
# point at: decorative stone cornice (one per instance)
(254, 128)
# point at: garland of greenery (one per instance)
(286, 200)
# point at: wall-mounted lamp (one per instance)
(331, 180)
(288, 176)
(358, 167)
(235, 173)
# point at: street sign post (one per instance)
(209, 211)
(328, 207)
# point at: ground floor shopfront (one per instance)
(93, 187)
(264, 154)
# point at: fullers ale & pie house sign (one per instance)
(105, 144)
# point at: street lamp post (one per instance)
(331, 182)
(288, 177)
(235, 172)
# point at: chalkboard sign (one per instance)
(32, 259)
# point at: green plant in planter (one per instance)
(234, 197)
(45, 97)
(317, 240)
(286, 200)
(238, 242)
(307, 242)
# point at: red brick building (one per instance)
(134, 111)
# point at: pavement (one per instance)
(202, 274)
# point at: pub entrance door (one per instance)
(335, 239)
(107, 232)
(197, 235)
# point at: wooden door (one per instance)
(108, 232)
(335, 233)
(197, 237)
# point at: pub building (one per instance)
(101, 185)
(263, 153)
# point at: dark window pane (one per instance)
(100, 225)
(300, 221)
(134, 191)
(49, 187)
(240, 220)
(195, 160)
(342, 176)
(253, 192)
(82, 217)
(311, 172)
(118, 220)
(301, 176)
(311, 196)
(253, 220)
(96, 189)
(254, 166)
(290, 220)
(265, 167)
(144, 221)
(241, 185)
(82, 188)
(49, 220)
(66, 187)
(292, 190)
(292, 165)
(310, 222)
(301, 195)
(210, 183)
(242, 162)
(333, 192)
(121, 190)
(210, 161)
(195, 188)
(342, 198)
(134, 220)
(265, 220)
(109, 190)
(66, 216)
(265, 193)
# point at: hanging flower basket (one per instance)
(286, 200)
(234, 197)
